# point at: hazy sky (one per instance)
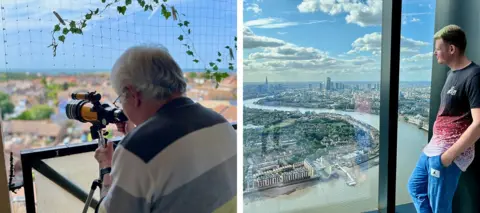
(311, 39)
(28, 24)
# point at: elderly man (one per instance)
(180, 157)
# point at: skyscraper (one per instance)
(328, 84)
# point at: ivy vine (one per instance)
(212, 70)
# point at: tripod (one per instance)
(96, 132)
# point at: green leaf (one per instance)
(164, 0)
(165, 12)
(196, 60)
(235, 38)
(56, 28)
(218, 78)
(188, 31)
(88, 16)
(141, 2)
(186, 23)
(150, 7)
(230, 67)
(146, 8)
(219, 60)
(84, 24)
(215, 67)
(180, 37)
(127, 2)
(122, 9)
(156, 1)
(212, 64)
(61, 38)
(189, 52)
(96, 11)
(180, 24)
(65, 31)
(73, 24)
(103, 1)
(227, 47)
(219, 54)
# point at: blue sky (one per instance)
(28, 24)
(308, 40)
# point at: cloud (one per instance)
(250, 40)
(280, 56)
(282, 33)
(320, 65)
(373, 43)
(288, 52)
(363, 13)
(270, 23)
(254, 8)
(412, 17)
(419, 57)
(290, 57)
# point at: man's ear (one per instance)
(452, 49)
(138, 98)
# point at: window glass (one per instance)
(311, 105)
(414, 99)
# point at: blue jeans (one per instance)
(433, 185)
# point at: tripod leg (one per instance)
(95, 183)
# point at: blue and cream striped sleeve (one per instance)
(132, 185)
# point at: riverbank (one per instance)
(358, 172)
(400, 117)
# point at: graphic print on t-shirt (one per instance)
(459, 95)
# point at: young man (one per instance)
(434, 180)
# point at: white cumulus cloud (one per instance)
(362, 13)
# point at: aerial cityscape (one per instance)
(285, 151)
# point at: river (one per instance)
(335, 196)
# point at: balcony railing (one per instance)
(70, 167)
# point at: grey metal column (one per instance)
(464, 13)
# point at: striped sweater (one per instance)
(181, 160)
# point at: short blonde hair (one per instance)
(454, 35)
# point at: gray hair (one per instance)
(151, 70)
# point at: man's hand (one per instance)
(125, 127)
(104, 155)
(447, 158)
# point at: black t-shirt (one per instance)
(460, 94)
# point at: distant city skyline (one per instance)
(310, 40)
(332, 80)
(28, 25)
